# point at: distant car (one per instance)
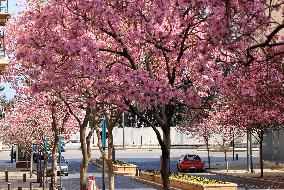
(64, 166)
(190, 162)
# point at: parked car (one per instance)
(190, 162)
(64, 166)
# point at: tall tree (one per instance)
(138, 54)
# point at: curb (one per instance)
(115, 173)
(249, 178)
(151, 183)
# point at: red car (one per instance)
(190, 162)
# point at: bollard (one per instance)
(20, 188)
(6, 175)
(49, 185)
(237, 156)
(24, 177)
(31, 186)
(9, 186)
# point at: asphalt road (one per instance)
(150, 159)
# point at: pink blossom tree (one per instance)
(33, 119)
(196, 124)
(139, 55)
(255, 100)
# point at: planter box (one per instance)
(125, 170)
(121, 170)
(187, 185)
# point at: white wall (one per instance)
(133, 137)
(273, 143)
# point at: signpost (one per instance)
(104, 137)
(59, 151)
(46, 144)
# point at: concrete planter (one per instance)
(187, 185)
(125, 170)
(129, 170)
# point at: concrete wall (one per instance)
(273, 145)
(147, 137)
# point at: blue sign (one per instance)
(46, 144)
(59, 143)
(104, 136)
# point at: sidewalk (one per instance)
(15, 177)
(272, 175)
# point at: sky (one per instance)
(13, 9)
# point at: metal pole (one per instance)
(31, 186)
(103, 172)
(250, 149)
(60, 178)
(9, 186)
(59, 151)
(233, 148)
(37, 165)
(123, 132)
(104, 146)
(40, 169)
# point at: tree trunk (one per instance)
(110, 173)
(54, 163)
(260, 153)
(163, 116)
(85, 159)
(110, 161)
(165, 161)
(208, 152)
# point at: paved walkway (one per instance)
(272, 179)
(15, 177)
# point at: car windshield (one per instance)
(49, 160)
(191, 158)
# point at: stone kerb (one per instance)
(129, 169)
(187, 185)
